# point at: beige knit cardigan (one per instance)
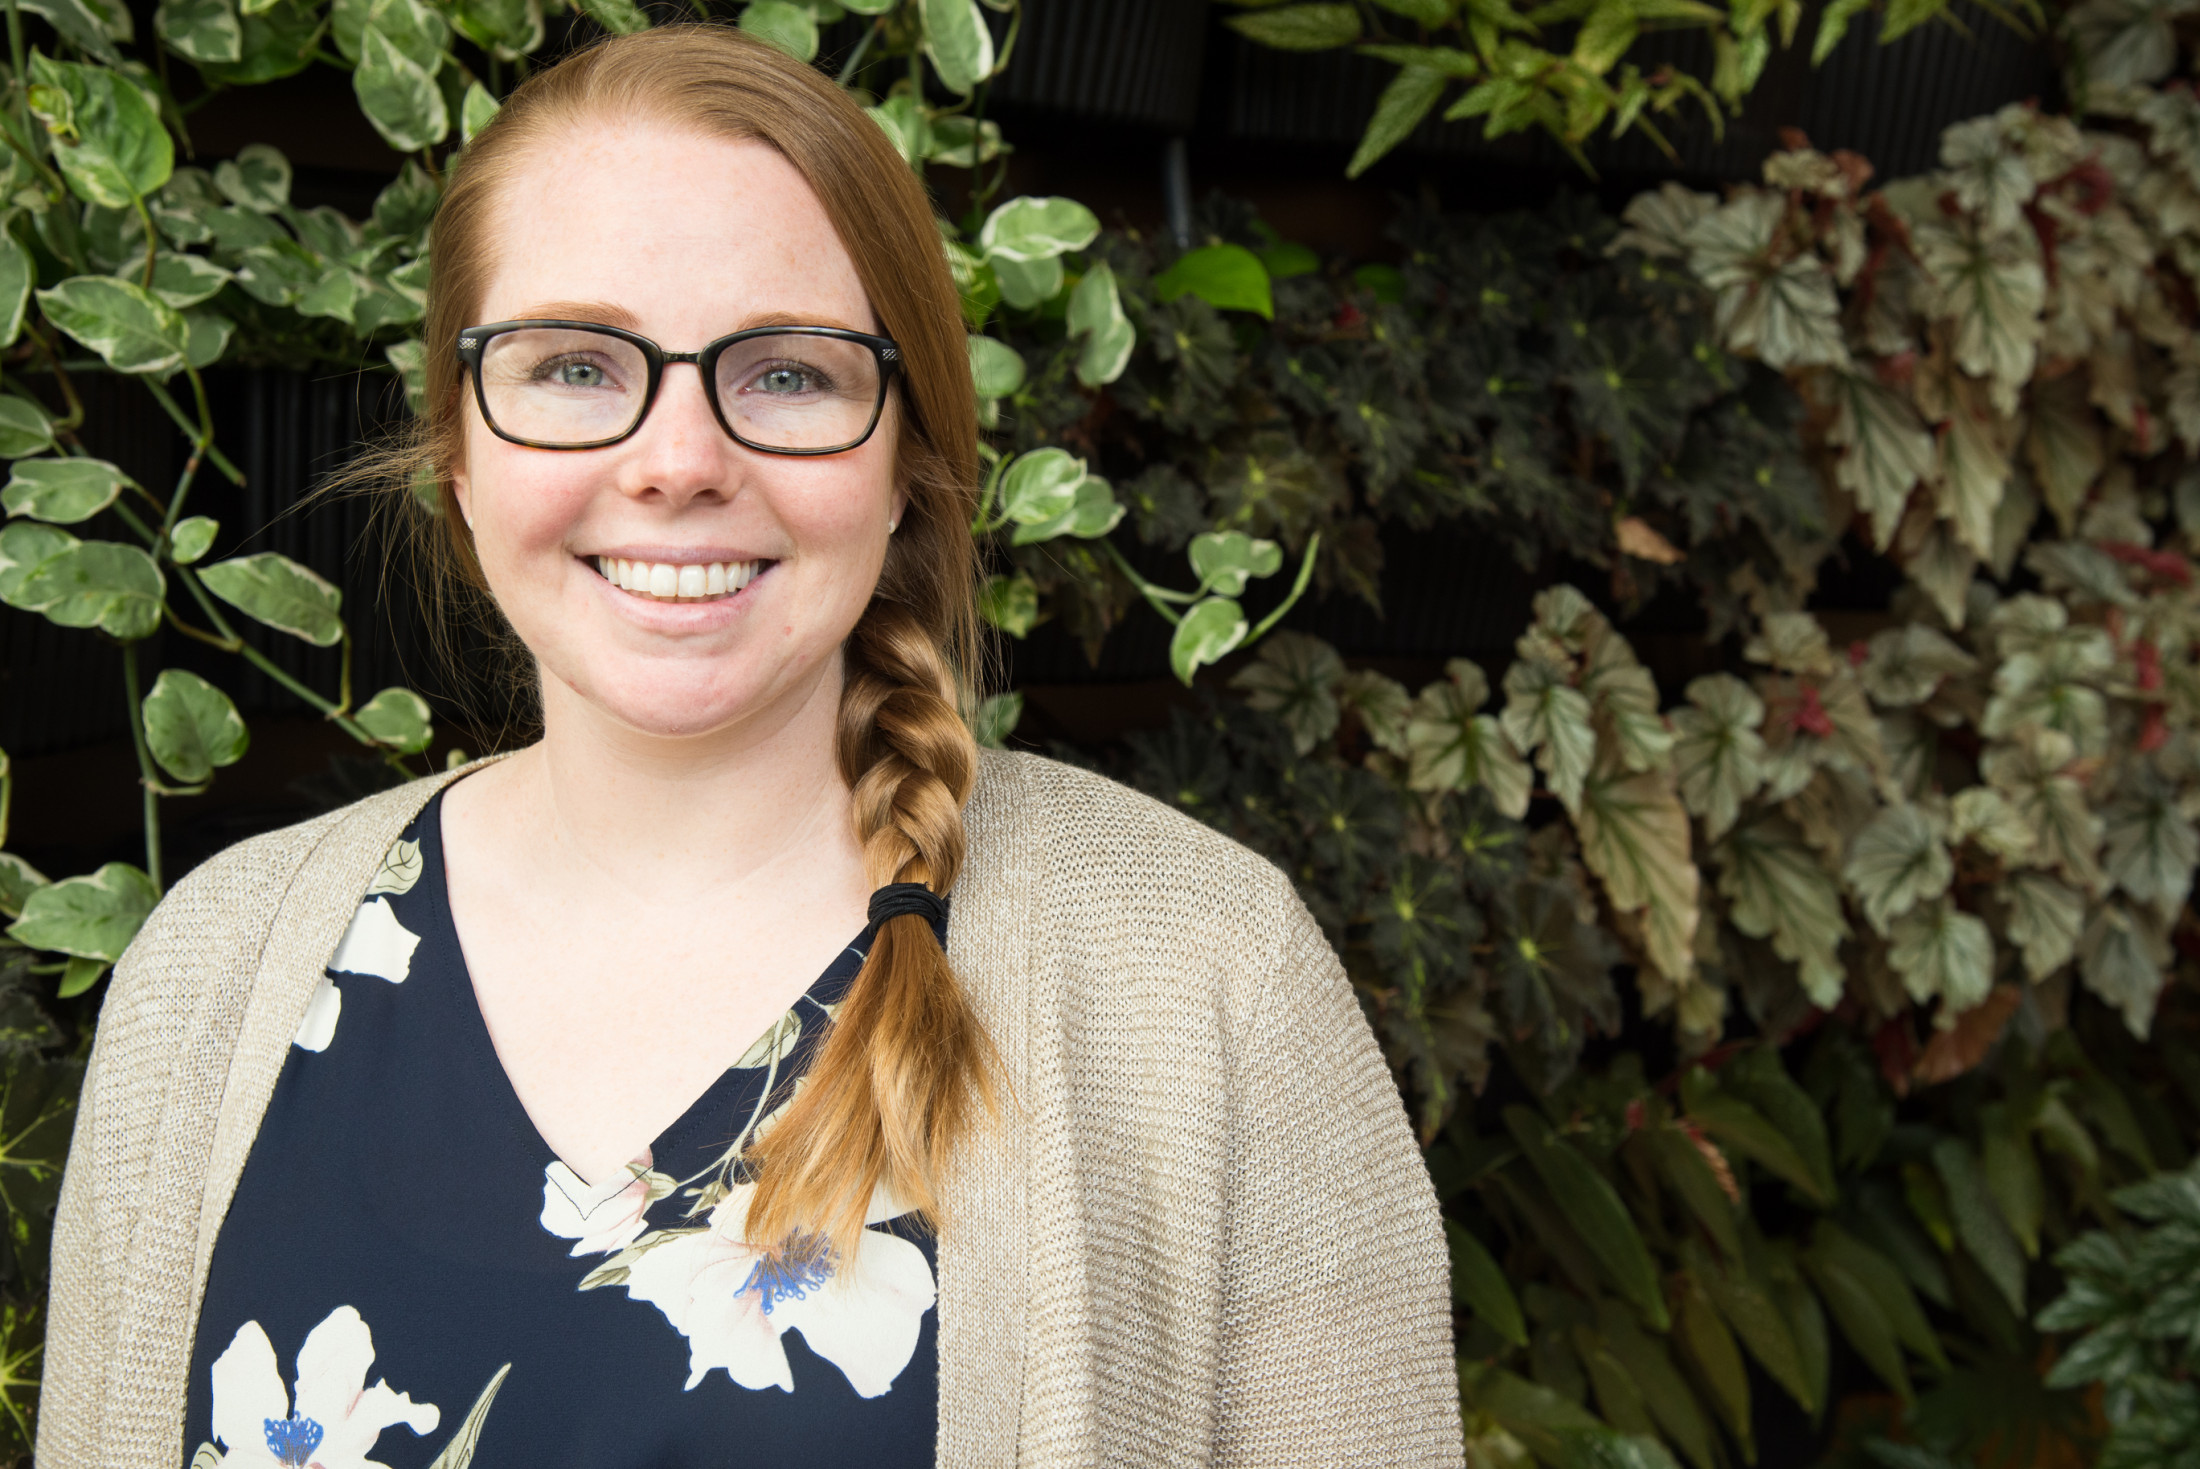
(1202, 1235)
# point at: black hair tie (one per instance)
(899, 898)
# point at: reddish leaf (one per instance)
(1952, 1052)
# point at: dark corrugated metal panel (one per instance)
(62, 687)
(1889, 103)
(1133, 61)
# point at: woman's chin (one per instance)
(679, 707)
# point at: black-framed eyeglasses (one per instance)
(583, 385)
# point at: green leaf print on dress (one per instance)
(732, 1300)
(375, 943)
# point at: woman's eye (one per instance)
(572, 373)
(787, 380)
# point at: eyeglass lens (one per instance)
(561, 385)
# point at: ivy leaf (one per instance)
(1300, 27)
(2045, 917)
(793, 29)
(1634, 835)
(17, 276)
(2121, 958)
(1226, 560)
(108, 138)
(1778, 306)
(2152, 847)
(399, 95)
(1027, 285)
(1992, 180)
(1032, 228)
(278, 591)
(996, 369)
(1211, 629)
(1885, 449)
(957, 43)
(1622, 695)
(24, 547)
(1781, 890)
(102, 584)
(91, 917)
(186, 280)
(2064, 443)
(1718, 754)
(1041, 486)
(1905, 665)
(134, 330)
(1092, 513)
(1658, 221)
(200, 30)
(1010, 603)
(258, 179)
(619, 17)
(192, 727)
(18, 879)
(1293, 677)
(1897, 862)
(1939, 950)
(1096, 312)
(997, 718)
(1453, 747)
(1550, 718)
(61, 491)
(476, 110)
(399, 718)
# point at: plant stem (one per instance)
(149, 782)
(1146, 589)
(7, 795)
(862, 48)
(267, 665)
(1298, 589)
(61, 377)
(152, 236)
(199, 634)
(201, 433)
(130, 518)
(183, 488)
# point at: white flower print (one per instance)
(607, 1217)
(733, 1304)
(375, 943)
(335, 1417)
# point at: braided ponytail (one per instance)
(906, 1066)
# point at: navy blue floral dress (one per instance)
(409, 1276)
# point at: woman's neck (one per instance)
(666, 820)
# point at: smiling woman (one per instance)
(558, 1086)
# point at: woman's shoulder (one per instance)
(226, 906)
(1099, 855)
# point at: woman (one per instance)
(521, 1095)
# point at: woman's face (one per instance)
(682, 238)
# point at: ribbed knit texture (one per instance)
(1201, 1233)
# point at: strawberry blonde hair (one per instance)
(905, 1070)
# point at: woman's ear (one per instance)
(462, 492)
(896, 509)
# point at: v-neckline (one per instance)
(454, 989)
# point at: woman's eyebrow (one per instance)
(602, 313)
(789, 318)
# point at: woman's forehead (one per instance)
(670, 226)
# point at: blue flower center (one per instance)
(292, 1440)
(802, 1265)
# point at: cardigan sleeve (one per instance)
(68, 1397)
(1336, 1341)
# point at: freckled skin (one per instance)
(680, 481)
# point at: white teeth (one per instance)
(684, 582)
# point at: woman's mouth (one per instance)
(663, 581)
